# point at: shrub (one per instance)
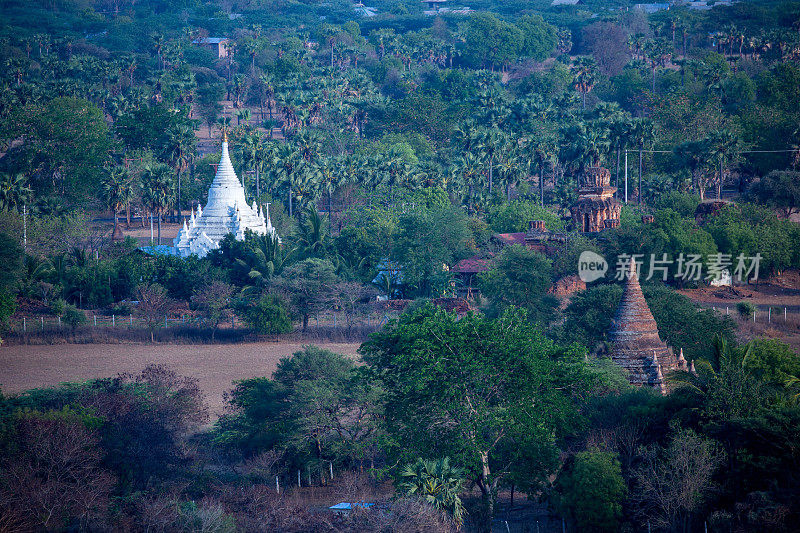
(58, 306)
(437, 482)
(746, 309)
(122, 308)
(8, 304)
(267, 315)
(73, 316)
(591, 490)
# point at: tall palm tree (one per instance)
(116, 191)
(394, 170)
(642, 133)
(181, 142)
(285, 165)
(467, 135)
(468, 169)
(723, 145)
(619, 132)
(694, 155)
(589, 145)
(158, 190)
(541, 154)
(254, 155)
(584, 71)
(331, 178)
(658, 51)
(490, 142)
(509, 167)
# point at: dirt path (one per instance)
(216, 366)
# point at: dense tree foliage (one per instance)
(397, 152)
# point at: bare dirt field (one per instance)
(779, 293)
(216, 366)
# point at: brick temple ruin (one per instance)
(635, 344)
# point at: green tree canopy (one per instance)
(463, 388)
(591, 491)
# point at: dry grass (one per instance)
(216, 366)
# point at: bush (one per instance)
(746, 309)
(591, 490)
(73, 316)
(122, 308)
(58, 306)
(8, 304)
(514, 216)
(267, 315)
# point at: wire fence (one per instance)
(770, 314)
(51, 323)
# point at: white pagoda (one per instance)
(226, 212)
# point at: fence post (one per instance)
(298, 479)
(331, 465)
(769, 315)
(726, 310)
(42, 319)
(784, 314)
(277, 486)
(95, 320)
(131, 319)
(754, 315)
(59, 321)
(113, 321)
(24, 325)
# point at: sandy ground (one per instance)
(216, 366)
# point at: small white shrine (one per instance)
(226, 212)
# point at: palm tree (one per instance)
(490, 142)
(254, 155)
(695, 156)
(181, 143)
(313, 234)
(116, 191)
(466, 135)
(723, 145)
(642, 133)
(509, 167)
(331, 178)
(14, 191)
(266, 259)
(619, 132)
(158, 191)
(658, 51)
(252, 47)
(393, 169)
(589, 145)
(541, 153)
(468, 169)
(157, 46)
(243, 114)
(584, 71)
(286, 166)
(437, 482)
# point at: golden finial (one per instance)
(224, 136)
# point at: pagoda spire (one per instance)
(634, 338)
